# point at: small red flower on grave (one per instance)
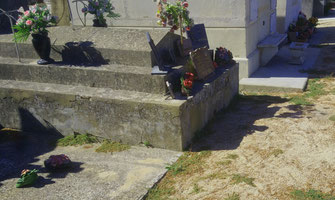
(188, 83)
(189, 76)
(185, 4)
(215, 64)
(188, 28)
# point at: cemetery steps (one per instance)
(108, 91)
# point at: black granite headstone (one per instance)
(198, 36)
(203, 62)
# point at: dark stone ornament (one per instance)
(42, 46)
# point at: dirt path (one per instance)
(265, 147)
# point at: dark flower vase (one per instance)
(42, 45)
(97, 23)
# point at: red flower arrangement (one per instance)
(187, 83)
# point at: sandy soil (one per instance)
(280, 145)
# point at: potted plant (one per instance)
(34, 22)
(176, 16)
(98, 8)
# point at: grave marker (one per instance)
(198, 36)
(203, 63)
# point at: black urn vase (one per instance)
(42, 46)
(98, 23)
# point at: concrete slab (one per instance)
(124, 175)
(280, 76)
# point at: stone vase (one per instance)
(98, 23)
(42, 46)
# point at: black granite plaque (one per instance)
(203, 62)
(198, 36)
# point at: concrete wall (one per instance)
(307, 7)
(287, 12)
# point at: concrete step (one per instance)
(93, 45)
(118, 77)
(127, 116)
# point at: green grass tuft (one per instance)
(238, 178)
(232, 156)
(110, 146)
(277, 152)
(314, 90)
(74, 140)
(332, 118)
(311, 195)
(196, 188)
(233, 196)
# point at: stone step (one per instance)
(121, 115)
(93, 45)
(118, 77)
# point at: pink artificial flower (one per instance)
(185, 4)
(29, 22)
(33, 11)
(26, 13)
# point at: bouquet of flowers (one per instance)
(175, 15)
(223, 56)
(27, 178)
(98, 8)
(187, 83)
(313, 21)
(36, 20)
(55, 162)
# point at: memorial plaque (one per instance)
(203, 63)
(156, 54)
(198, 36)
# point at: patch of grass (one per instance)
(332, 118)
(238, 178)
(110, 146)
(189, 162)
(77, 139)
(217, 175)
(196, 188)
(160, 192)
(311, 195)
(232, 156)
(314, 90)
(233, 196)
(276, 152)
(225, 162)
(148, 144)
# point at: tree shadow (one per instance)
(229, 127)
(62, 173)
(37, 137)
(81, 54)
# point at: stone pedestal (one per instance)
(297, 50)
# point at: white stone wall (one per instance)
(287, 12)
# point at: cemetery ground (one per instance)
(266, 146)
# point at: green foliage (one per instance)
(277, 152)
(147, 144)
(175, 168)
(74, 140)
(233, 196)
(232, 156)
(238, 178)
(160, 193)
(110, 146)
(98, 8)
(311, 195)
(196, 188)
(332, 118)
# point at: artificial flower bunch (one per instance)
(28, 177)
(35, 20)
(98, 8)
(175, 15)
(222, 57)
(187, 83)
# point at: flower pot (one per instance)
(98, 23)
(42, 46)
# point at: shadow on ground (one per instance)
(228, 129)
(20, 149)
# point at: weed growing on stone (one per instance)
(233, 196)
(110, 146)
(332, 118)
(147, 144)
(74, 140)
(238, 178)
(175, 168)
(311, 195)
